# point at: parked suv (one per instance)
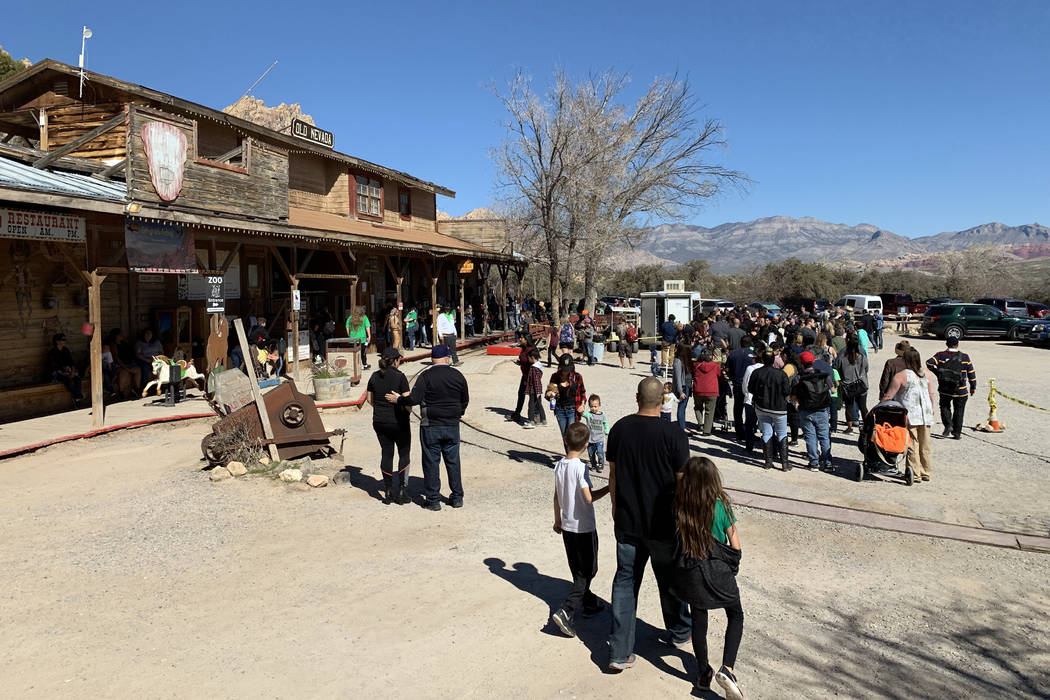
(893, 302)
(963, 320)
(1037, 310)
(1011, 307)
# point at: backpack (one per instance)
(566, 334)
(813, 392)
(950, 374)
(632, 334)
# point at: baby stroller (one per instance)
(884, 441)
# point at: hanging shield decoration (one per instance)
(165, 147)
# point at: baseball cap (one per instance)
(439, 351)
(806, 357)
(391, 353)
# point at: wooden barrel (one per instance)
(329, 389)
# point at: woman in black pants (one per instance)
(390, 422)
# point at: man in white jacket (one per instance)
(446, 325)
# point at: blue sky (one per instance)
(918, 117)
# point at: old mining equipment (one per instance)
(296, 424)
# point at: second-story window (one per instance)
(369, 196)
(404, 203)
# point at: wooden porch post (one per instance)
(434, 309)
(95, 319)
(503, 295)
(462, 309)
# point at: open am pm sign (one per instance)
(41, 225)
(312, 133)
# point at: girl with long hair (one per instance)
(359, 328)
(390, 422)
(914, 388)
(710, 547)
(683, 380)
(852, 366)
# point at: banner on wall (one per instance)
(159, 248)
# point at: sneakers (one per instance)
(528, 425)
(727, 680)
(679, 643)
(562, 620)
(617, 666)
(432, 506)
(814, 467)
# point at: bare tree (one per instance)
(589, 171)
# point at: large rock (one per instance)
(219, 473)
(317, 480)
(236, 469)
(291, 475)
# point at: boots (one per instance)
(402, 489)
(785, 463)
(767, 451)
(388, 495)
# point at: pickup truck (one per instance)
(893, 302)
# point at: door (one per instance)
(979, 319)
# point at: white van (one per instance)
(860, 302)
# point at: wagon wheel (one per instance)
(293, 414)
(209, 447)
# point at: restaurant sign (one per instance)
(311, 133)
(42, 226)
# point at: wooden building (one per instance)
(138, 198)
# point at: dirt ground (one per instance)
(127, 573)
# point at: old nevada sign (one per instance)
(312, 133)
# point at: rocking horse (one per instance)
(162, 373)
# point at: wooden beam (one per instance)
(306, 261)
(78, 142)
(389, 265)
(228, 155)
(260, 405)
(280, 262)
(229, 258)
(342, 263)
(112, 270)
(72, 263)
(117, 255)
(105, 174)
(323, 276)
(95, 281)
(44, 140)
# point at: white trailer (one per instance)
(658, 307)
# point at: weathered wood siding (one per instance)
(488, 233)
(262, 192)
(318, 184)
(65, 124)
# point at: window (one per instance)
(369, 196)
(404, 203)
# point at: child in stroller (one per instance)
(884, 441)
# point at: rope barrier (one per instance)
(993, 390)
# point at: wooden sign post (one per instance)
(249, 364)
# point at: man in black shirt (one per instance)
(736, 364)
(442, 393)
(736, 334)
(644, 456)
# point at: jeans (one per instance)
(836, 404)
(817, 432)
(750, 423)
(389, 436)
(738, 411)
(683, 405)
(630, 568)
(450, 342)
(953, 408)
(566, 416)
(440, 441)
(596, 453)
(588, 350)
(704, 407)
(734, 633)
(877, 339)
(772, 424)
(856, 407)
(73, 384)
(410, 336)
(536, 413)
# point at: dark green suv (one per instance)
(962, 320)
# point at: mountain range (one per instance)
(735, 246)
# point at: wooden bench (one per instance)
(35, 400)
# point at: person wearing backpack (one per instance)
(956, 381)
(566, 337)
(813, 394)
(625, 348)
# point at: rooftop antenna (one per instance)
(257, 82)
(85, 34)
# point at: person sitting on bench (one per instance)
(62, 370)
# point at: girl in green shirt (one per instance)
(358, 327)
(703, 514)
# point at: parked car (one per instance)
(1037, 310)
(893, 302)
(765, 307)
(1011, 307)
(1035, 331)
(941, 300)
(723, 305)
(964, 320)
(614, 300)
(806, 304)
(860, 302)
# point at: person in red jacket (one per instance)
(524, 363)
(705, 390)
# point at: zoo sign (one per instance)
(42, 226)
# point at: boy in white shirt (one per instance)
(574, 521)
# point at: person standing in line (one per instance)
(359, 328)
(852, 366)
(707, 531)
(534, 390)
(668, 338)
(447, 330)
(913, 387)
(598, 423)
(893, 365)
(645, 455)
(682, 380)
(750, 417)
(736, 364)
(770, 389)
(813, 393)
(956, 380)
(568, 392)
(574, 521)
(441, 392)
(735, 335)
(705, 392)
(390, 423)
(628, 335)
(524, 364)
(880, 323)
